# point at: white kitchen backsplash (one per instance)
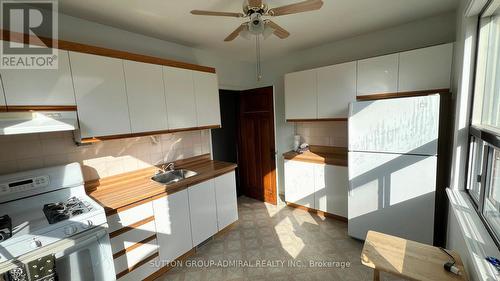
(102, 159)
(326, 133)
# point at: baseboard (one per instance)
(317, 212)
(185, 256)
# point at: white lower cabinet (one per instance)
(203, 211)
(225, 194)
(172, 225)
(299, 183)
(317, 186)
(331, 185)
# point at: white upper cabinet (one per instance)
(378, 75)
(206, 90)
(181, 101)
(336, 89)
(426, 69)
(301, 95)
(101, 97)
(40, 86)
(146, 97)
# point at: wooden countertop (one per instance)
(120, 192)
(320, 155)
(408, 259)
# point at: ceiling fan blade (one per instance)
(305, 6)
(255, 3)
(219, 14)
(236, 32)
(278, 30)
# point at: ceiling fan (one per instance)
(257, 11)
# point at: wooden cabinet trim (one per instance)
(329, 155)
(317, 212)
(20, 108)
(136, 245)
(131, 227)
(316, 120)
(88, 49)
(168, 267)
(113, 137)
(3, 108)
(139, 264)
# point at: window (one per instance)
(483, 181)
(476, 165)
(492, 200)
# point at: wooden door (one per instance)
(256, 150)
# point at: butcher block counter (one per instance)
(126, 190)
(320, 155)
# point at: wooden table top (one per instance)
(408, 259)
(117, 193)
(320, 155)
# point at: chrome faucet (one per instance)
(168, 167)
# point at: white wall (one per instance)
(422, 33)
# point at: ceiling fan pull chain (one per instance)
(259, 69)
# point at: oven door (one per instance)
(86, 256)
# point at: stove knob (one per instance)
(88, 224)
(70, 230)
(36, 243)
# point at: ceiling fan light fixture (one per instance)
(246, 34)
(268, 31)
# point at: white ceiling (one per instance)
(171, 20)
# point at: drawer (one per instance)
(130, 216)
(133, 257)
(133, 236)
(143, 271)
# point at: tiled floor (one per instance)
(273, 234)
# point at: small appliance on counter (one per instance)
(296, 142)
(302, 148)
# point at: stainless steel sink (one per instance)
(173, 176)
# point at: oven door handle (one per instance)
(65, 246)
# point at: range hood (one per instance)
(13, 123)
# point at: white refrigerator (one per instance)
(393, 146)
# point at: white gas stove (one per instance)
(46, 207)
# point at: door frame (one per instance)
(276, 162)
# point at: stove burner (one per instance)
(56, 212)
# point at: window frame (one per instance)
(490, 137)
